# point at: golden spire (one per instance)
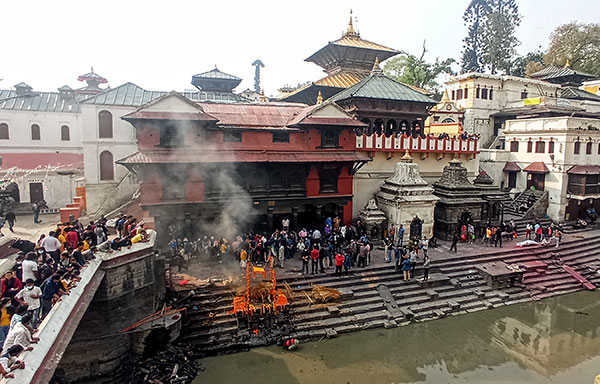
(319, 98)
(445, 97)
(376, 68)
(407, 158)
(568, 63)
(350, 31)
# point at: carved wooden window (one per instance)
(328, 181)
(329, 138)
(281, 137)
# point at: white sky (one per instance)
(159, 45)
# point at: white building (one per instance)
(560, 155)
(479, 95)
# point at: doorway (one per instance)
(536, 180)
(416, 228)
(36, 192)
(512, 179)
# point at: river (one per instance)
(554, 340)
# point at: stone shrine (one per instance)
(408, 200)
(460, 202)
(373, 219)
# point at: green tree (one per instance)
(474, 17)
(498, 35)
(578, 42)
(413, 70)
(524, 66)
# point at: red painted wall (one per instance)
(312, 182)
(151, 189)
(195, 186)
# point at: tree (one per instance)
(523, 66)
(498, 40)
(490, 42)
(413, 70)
(473, 17)
(578, 42)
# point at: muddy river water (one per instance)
(549, 341)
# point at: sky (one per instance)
(159, 45)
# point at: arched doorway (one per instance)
(378, 126)
(416, 228)
(107, 169)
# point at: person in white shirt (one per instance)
(30, 295)
(52, 246)
(30, 267)
(20, 335)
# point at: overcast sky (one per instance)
(159, 45)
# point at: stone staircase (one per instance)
(377, 296)
(527, 197)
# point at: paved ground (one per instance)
(204, 269)
(26, 229)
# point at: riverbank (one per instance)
(556, 340)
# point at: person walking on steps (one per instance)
(426, 264)
(406, 269)
(454, 243)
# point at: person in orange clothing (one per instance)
(339, 263)
(4, 320)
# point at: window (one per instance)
(232, 136)
(329, 138)
(281, 137)
(583, 184)
(170, 136)
(491, 93)
(459, 94)
(551, 147)
(529, 146)
(107, 170)
(514, 146)
(484, 93)
(540, 147)
(3, 131)
(328, 181)
(588, 148)
(599, 148)
(448, 120)
(466, 92)
(576, 147)
(477, 93)
(64, 133)
(453, 95)
(523, 95)
(173, 189)
(35, 132)
(105, 125)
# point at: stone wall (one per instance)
(132, 287)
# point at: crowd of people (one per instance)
(47, 270)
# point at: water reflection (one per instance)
(550, 341)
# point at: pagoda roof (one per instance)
(93, 76)
(22, 85)
(578, 94)
(324, 114)
(379, 86)
(557, 75)
(350, 52)
(341, 79)
(252, 115)
(216, 74)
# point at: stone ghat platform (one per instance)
(378, 297)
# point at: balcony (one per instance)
(395, 143)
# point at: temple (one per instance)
(228, 167)
(346, 61)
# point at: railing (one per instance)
(377, 142)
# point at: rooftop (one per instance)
(252, 115)
(38, 102)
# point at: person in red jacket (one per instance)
(72, 239)
(339, 262)
(314, 255)
(11, 285)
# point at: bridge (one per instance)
(108, 277)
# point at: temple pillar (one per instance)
(270, 218)
(295, 218)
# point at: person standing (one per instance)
(30, 267)
(392, 233)
(281, 253)
(498, 236)
(413, 261)
(424, 245)
(36, 212)
(528, 229)
(11, 218)
(557, 236)
(426, 264)
(314, 255)
(363, 252)
(406, 269)
(347, 262)
(305, 260)
(388, 249)
(285, 224)
(538, 233)
(400, 235)
(454, 242)
(471, 233)
(339, 263)
(30, 295)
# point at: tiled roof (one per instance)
(216, 74)
(227, 156)
(306, 117)
(553, 72)
(132, 95)
(248, 115)
(42, 102)
(341, 79)
(93, 76)
(536, 167)
(379, 86)
(511, 166)
(584, 170)
(354, 41)
(576, 93)
(28, 161)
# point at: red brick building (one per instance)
(224, 167)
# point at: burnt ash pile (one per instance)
(173, 365)
(377, 296)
